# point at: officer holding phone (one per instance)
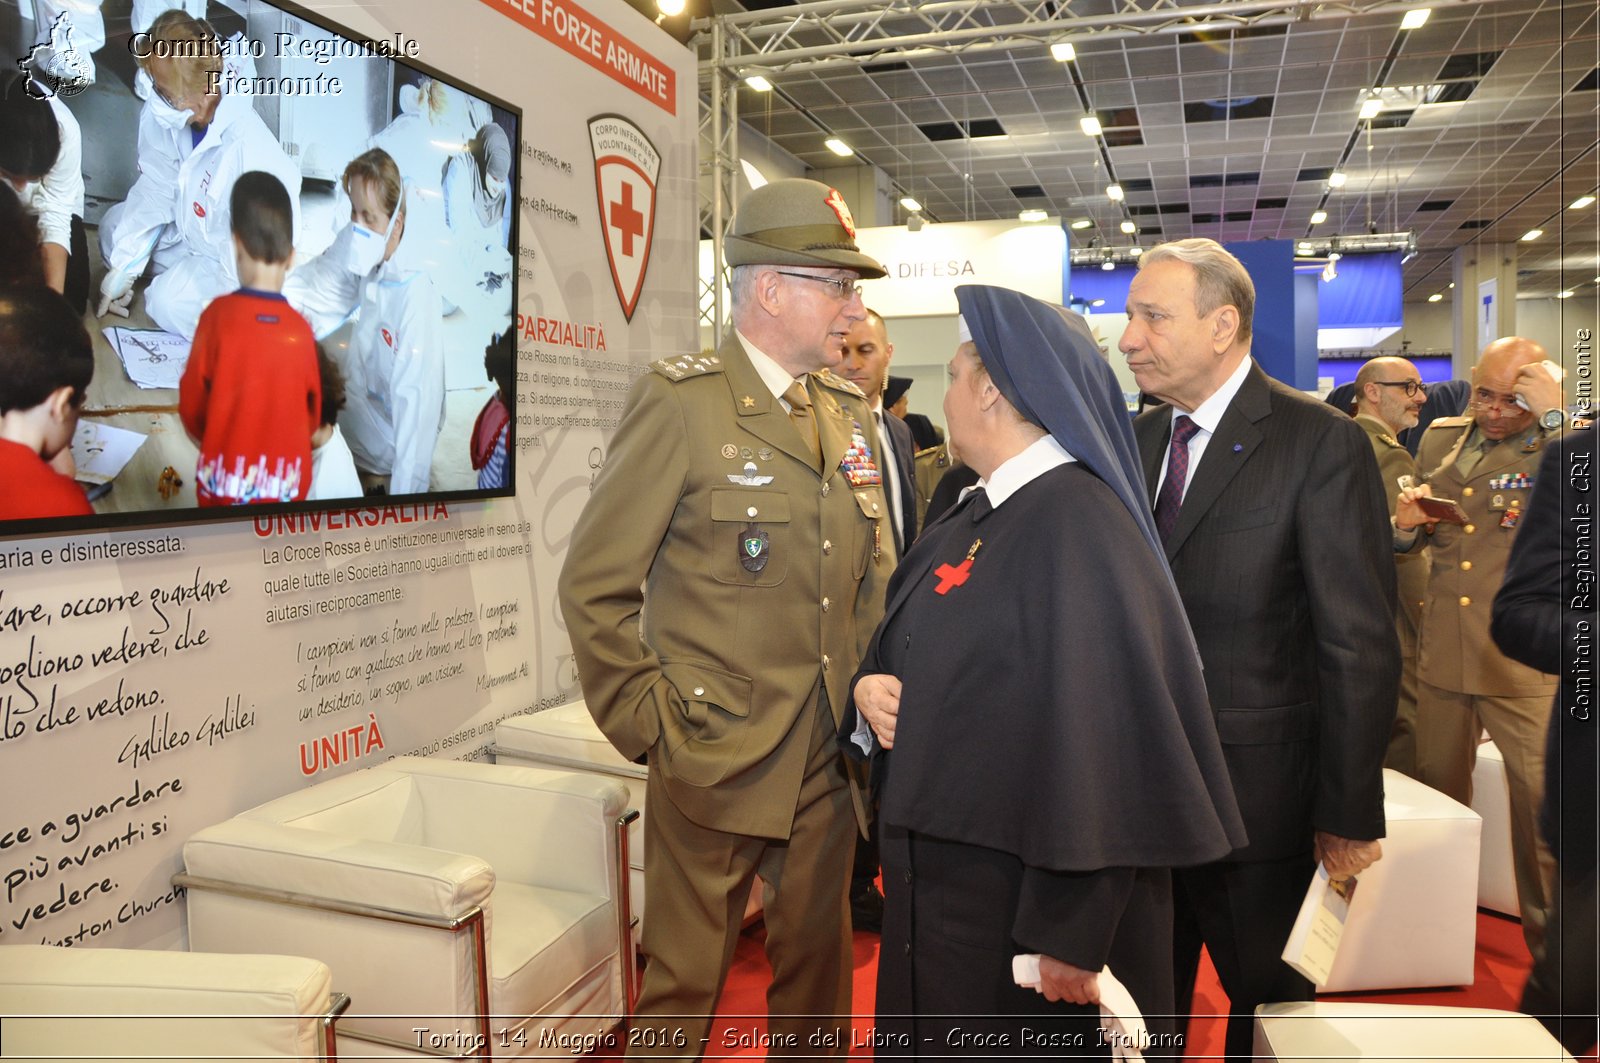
(1479, 470)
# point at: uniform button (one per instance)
(1466, 566)
(908, 948)
(827, 662)
(1465, 601)
(827, 546)
(750, 512)
(699, 692)
(825, 489)
(908, 876)
(1469, 528)
(874, 507)
(1466, 492)
(825, 604)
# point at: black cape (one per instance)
(1051, 706)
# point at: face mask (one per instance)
(364, 250)
(166, 115)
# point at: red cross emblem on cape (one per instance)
(626, 166)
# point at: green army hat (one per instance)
(796, 222)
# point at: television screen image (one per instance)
(293, 248)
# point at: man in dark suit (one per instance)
(867, 353)
(1273, 516)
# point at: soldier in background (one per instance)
(1487, 461)
(1389, 394)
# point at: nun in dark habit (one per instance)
(1047, 749)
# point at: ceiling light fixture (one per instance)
(1371, 107)
(1564, 295)
(1129, 228)
(1090, 124)
(1304, 248)
(839, 147)
(1416, 18)
(1136, 251)
(910, 204)
(1318, 217)
(1531, 235)
(1108, 265)
(1435, 297)
(1082, 223)
(1581, 202)
(759, 83)
(1336, 179)
(1033, 214)
(1114, 193)
(1063, 52)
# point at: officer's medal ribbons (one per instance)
(858, 466)
(755, 549)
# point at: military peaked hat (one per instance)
(796, 222)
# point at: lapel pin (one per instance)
(747, 402)
(1238, 448)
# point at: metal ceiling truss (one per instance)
(836, 33)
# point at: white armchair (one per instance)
(566, 737)
(468, 909)
(116, 1004)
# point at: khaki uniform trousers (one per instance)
(1448, 726)
(697, 880)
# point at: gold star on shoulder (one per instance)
(747, 402)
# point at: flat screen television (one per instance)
(300, 97)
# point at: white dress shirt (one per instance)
(1206, 417)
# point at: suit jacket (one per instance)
(1281, 553)
(1411, 569)
(1544, 617)
(1469, 561)
(904, 452)
(714, 668)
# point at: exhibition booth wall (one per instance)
(157, 680)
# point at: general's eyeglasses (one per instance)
(1411, 386)
(843, 289)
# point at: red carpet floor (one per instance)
(1501, 968)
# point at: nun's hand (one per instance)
(1059, 980)
(878, 699)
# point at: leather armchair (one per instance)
(115, 1004)
(468, 909)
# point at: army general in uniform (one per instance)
(1487, 461)
(743, 490)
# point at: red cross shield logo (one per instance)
(626, 165)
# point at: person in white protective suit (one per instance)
(394, 368)
(195, 139)
(478, 202)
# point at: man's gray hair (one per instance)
(1220, 279)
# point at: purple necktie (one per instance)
(1171, 497)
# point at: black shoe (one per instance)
(866, 907)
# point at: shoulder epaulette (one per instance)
(1450, 422)
(1389, 441)
(828, 378)
(687, 365)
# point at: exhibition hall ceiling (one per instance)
(1227, 128)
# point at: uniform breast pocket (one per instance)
(750, 537)
(871, 528)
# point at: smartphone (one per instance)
(1445, 509)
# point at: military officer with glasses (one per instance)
(1388, 399)
(1487, 461)
(743, 490)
